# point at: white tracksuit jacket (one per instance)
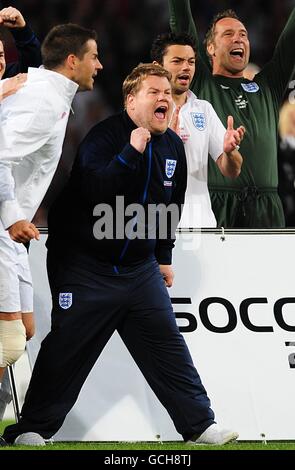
(33, 124)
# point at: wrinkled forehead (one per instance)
(229, 23)
(155, 82)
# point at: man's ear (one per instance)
(211, 49)
(130, 102)
(71, 61)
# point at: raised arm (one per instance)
(26, 42)
(181, 20)
(230, 161)
(280, 69)
(104, 168)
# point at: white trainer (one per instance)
(29, 439)
(215, 436)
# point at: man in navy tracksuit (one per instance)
(118, 282)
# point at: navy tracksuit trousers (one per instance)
(135, 302)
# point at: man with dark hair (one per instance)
(199, 127)
(62, 41)
(26, 42)
(33, 124)
(118, 282)
(251, 200)
(163, 41)
(29, 55)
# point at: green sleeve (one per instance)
(181, 20)
(280, 69)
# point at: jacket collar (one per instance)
(65, 87)
(130, 124)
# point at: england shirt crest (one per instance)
(250, 87)
(199, 121)
(65, 300)
(170, 167)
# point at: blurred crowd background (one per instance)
(126, 29)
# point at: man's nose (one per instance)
(237, 38)
(99, 65)
(162, 96)
(186, 64)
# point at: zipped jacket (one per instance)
(33, 124)
(109, 173)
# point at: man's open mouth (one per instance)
(184, 78)
(238, 52)
(161, 112)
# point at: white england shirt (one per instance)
(202, 133)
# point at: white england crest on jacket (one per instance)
(170, 167)
(65, 300)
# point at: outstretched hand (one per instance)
(233, 137)
(12, 85)
(174, 123)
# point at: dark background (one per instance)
(126, 29)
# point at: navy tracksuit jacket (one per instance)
(108, 166)
(29, 51)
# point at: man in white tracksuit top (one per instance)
(198, 125)
(33, 125)
(202, 133)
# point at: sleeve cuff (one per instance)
(10, 212)
(23, 36)
(163, 255)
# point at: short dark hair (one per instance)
(134, 80)
(209, 37)
(63, 40)
(163, 41)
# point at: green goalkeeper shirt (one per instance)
(251, 200)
